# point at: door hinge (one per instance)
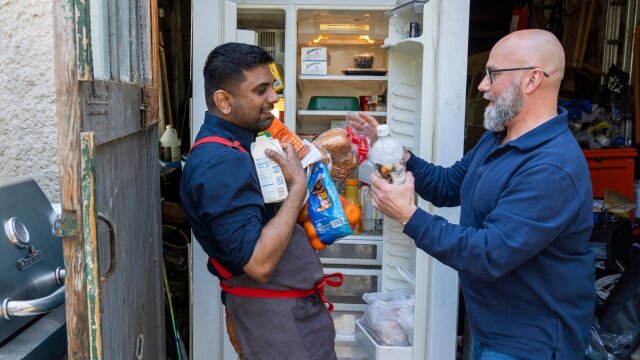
(66, 224)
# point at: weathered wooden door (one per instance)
(106, 109)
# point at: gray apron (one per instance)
(270, 328)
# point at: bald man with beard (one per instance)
(524, 191)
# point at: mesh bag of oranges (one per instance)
(323, 216)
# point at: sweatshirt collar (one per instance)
(546, 131)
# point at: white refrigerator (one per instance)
(425, 103)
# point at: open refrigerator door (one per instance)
(423, 91)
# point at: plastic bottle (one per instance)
(386, 155)
(352, 196)
(367, 208)
(272, 183)
(170, 145)
(378, 221)
(372, 219)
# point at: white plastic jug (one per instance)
(170, 145)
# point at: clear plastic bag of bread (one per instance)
(343, 149)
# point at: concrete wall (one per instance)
(28, 145)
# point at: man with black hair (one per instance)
(270, 276)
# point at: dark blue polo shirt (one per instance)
(221, 195)
(521, 248)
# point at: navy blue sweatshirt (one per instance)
(221, 196)
(521, 248)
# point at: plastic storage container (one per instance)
(612, 169)
(334, 103)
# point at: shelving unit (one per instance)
(341, 46)
(355, 78)
(336, 113)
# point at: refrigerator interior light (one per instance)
(344, 27)
(342, 39)
(320, 38)
(366, 38)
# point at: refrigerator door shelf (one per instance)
(409, 7)
(409, 46)
(381, 352)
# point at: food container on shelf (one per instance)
(363, 60)
(334, 103)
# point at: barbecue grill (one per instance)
(32, 312)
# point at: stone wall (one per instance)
(28, 144)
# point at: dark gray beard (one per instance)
(506, 107)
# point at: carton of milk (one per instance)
(270, 176)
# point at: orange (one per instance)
(353, 212)
(309, 229)
(316, 244)
(304, 214)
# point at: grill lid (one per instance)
(30, 253)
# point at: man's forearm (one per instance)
(275, 237)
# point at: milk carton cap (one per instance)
(382, 130)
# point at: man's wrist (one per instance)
(409, 215)
(406, 156)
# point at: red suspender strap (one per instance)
(277, 294)
(218, 139)
(221, 269)
(266, 293)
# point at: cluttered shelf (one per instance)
(336, 113)
(355, 78)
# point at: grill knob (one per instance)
(16, 232)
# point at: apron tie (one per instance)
(318, 288)
(326, 280)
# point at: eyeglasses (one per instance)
(491, 71)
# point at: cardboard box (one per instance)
(313, 53)
(278, 85)
(313, 67)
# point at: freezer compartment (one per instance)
(347, 347)
(381, 352)
(357, 282)
(353, 252)
(345, 324)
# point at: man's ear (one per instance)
(533, 81)
(222, 99)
